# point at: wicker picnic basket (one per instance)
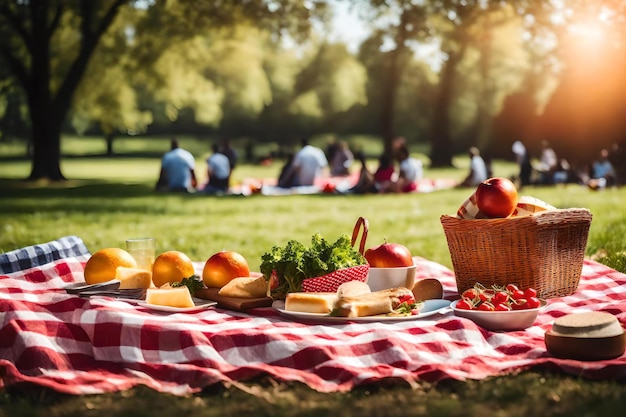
(544, 251)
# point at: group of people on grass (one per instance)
(178, 170)
(603, 171)
(310, 163)
(397, 171)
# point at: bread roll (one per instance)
(310, 302)
(245, 287)
(428, 289)
(352, 289)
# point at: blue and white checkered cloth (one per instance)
(37, 255)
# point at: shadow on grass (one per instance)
(99, 155)
(74, 188)
(88, 196)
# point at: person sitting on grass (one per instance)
(384, 175)
(287, 177)
(177, 170)
(410, 171)
(478, 169)
(218, 172)
(308, 164)
(365, 184)
(602, 172)
(342, 160)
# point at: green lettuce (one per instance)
(293, 263)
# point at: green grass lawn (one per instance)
(109, 199)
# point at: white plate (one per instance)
(199, 306)
(430, 307)
(501, 320)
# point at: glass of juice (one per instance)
(143, 250)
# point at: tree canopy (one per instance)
(449, 73)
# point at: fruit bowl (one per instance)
(500, 320)
(384, 278)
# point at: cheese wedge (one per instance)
(245, 287)
(133, 277)
(172, 297)
(310, 302)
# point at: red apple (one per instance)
(496, 197)
(388, 255)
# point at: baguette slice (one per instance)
(310, 302)
(245, 287)
(375, 303)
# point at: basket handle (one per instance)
(361, 221)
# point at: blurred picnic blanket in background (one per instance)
(267, 186)
(83, 346)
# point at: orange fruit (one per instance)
(102, 265)
(222, 267)
(171, 266)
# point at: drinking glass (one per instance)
(143, 250)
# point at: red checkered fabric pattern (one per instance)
(83, 346)
(332, 281)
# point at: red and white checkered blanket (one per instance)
(83, 346)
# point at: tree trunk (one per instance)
(440, 139)
(389, 100)
(45, 130)
(394, 75)
(48, 108)
(46, 152)
(109, 140)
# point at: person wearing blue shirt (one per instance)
(177, 170)
(218, 172)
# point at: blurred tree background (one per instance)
(446, 73)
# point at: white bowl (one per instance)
(384, 278)
(500, 320)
